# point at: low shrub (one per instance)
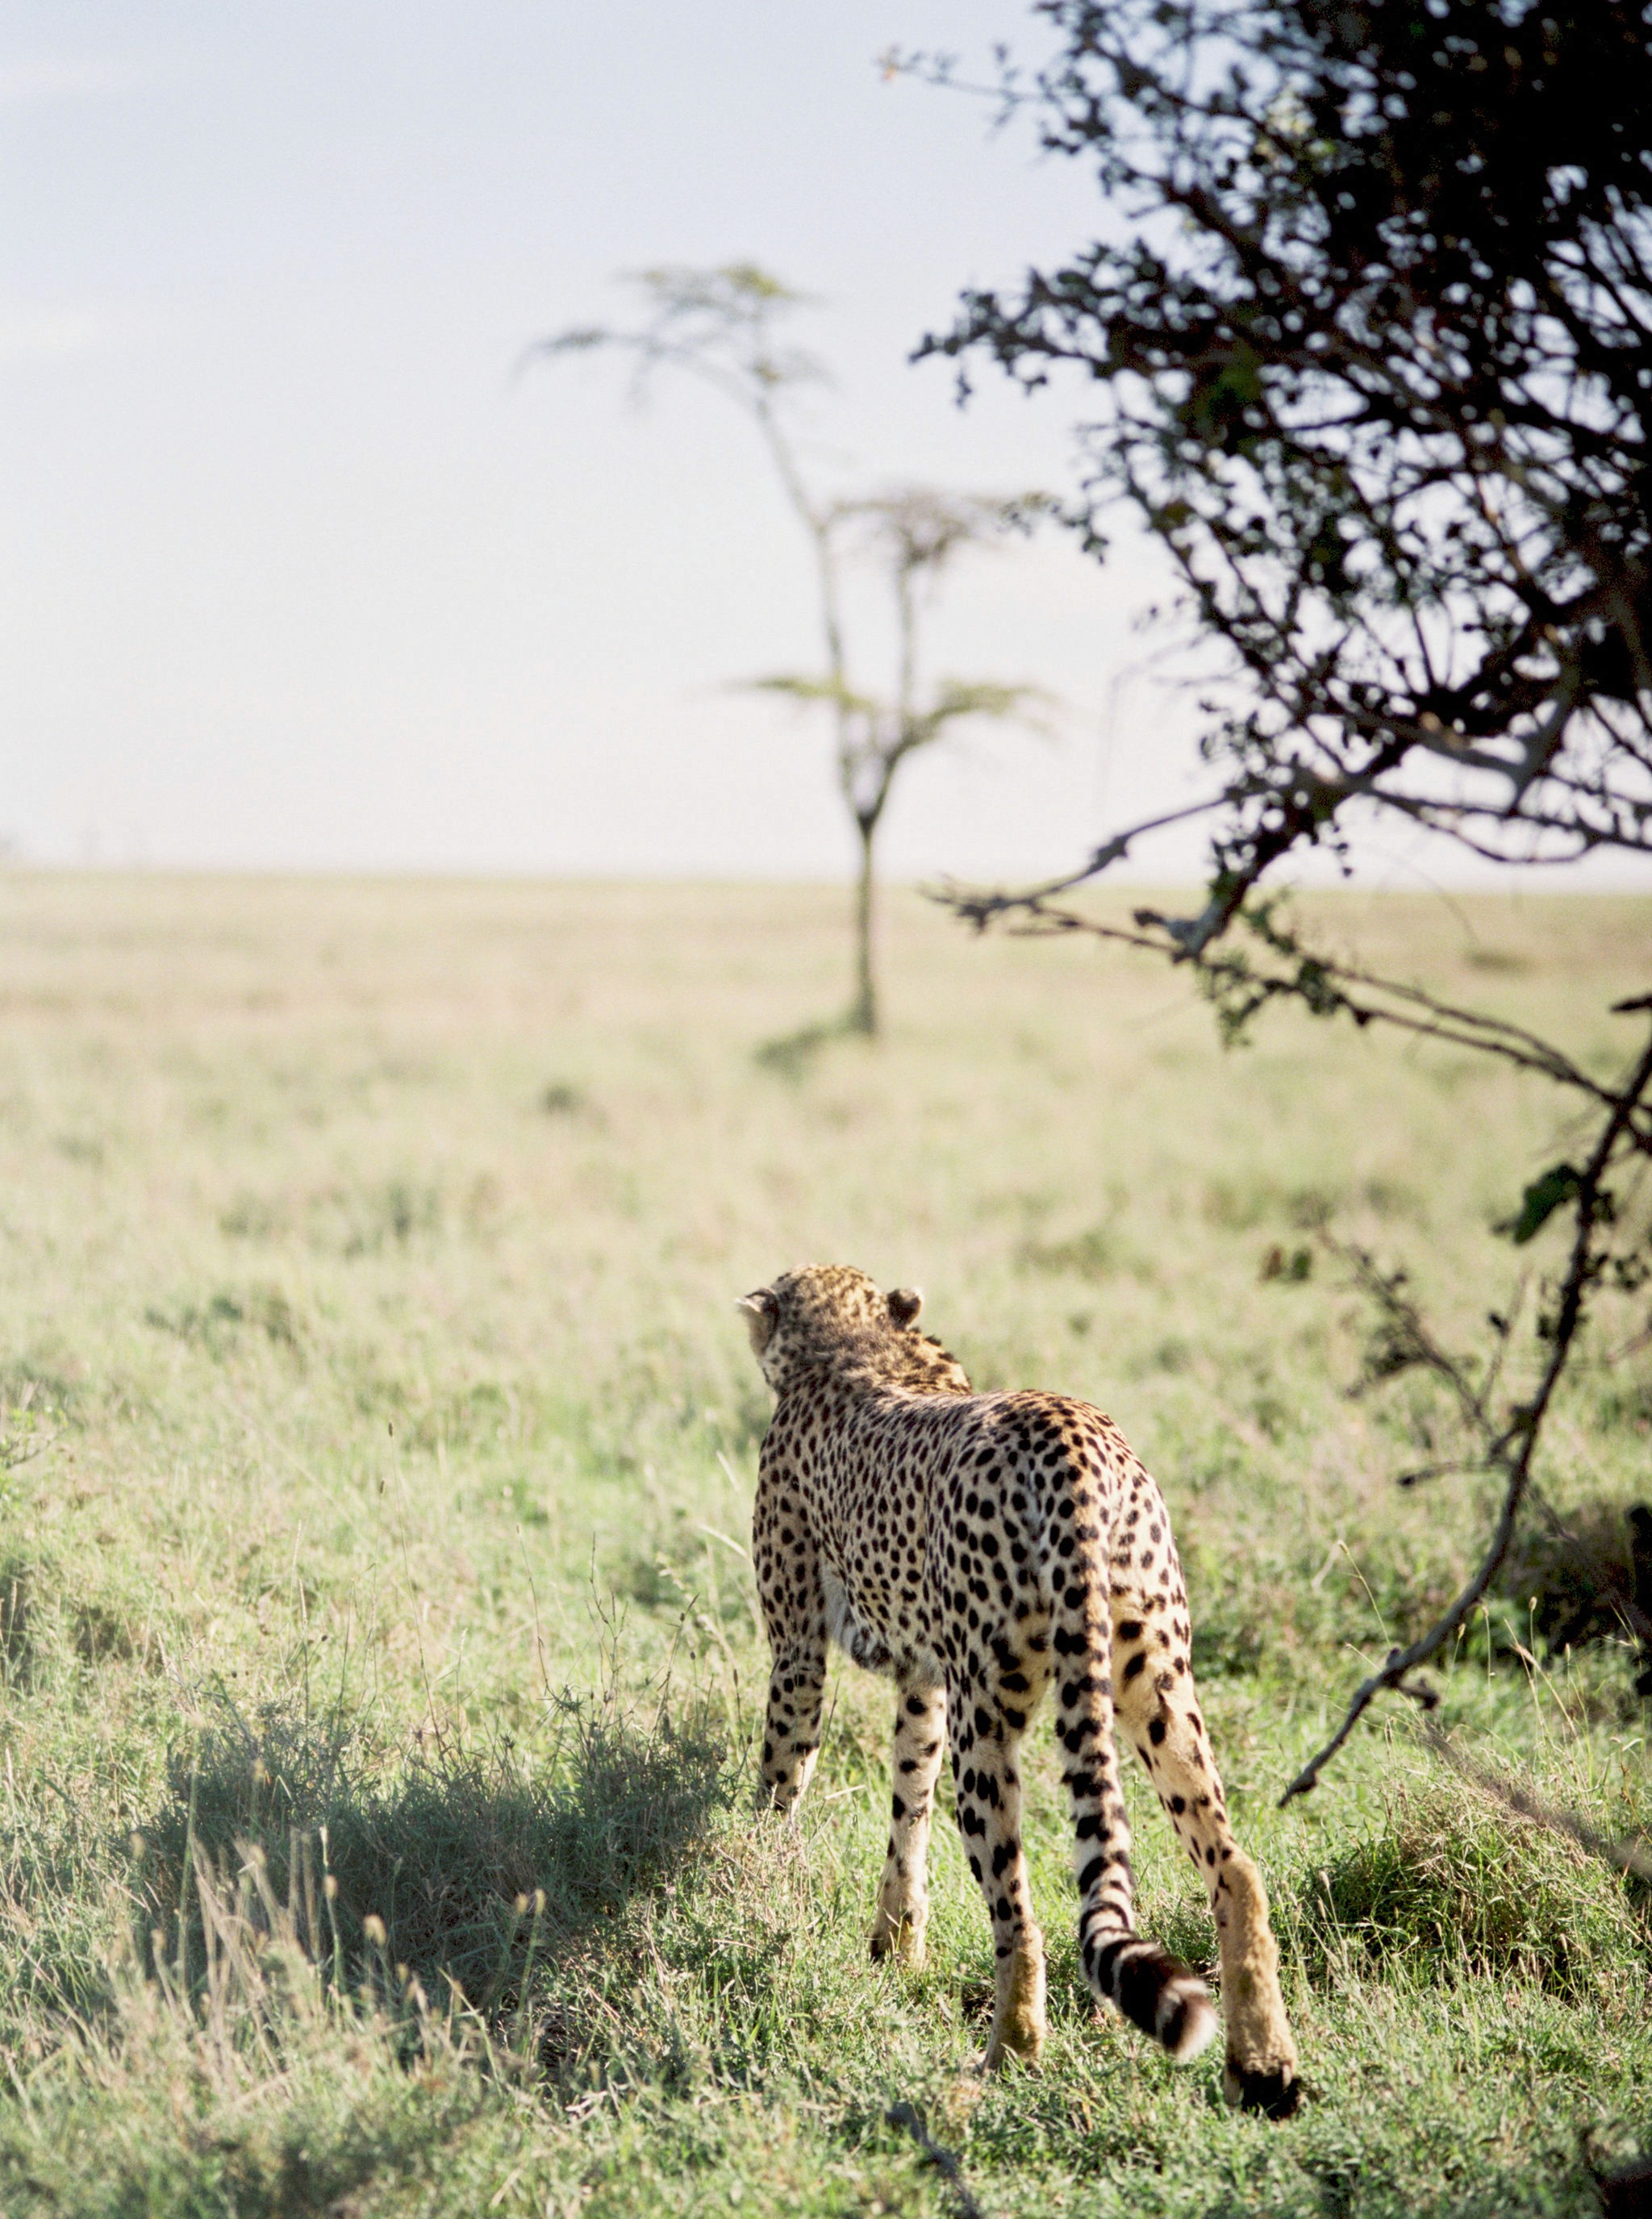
(1455, 1887)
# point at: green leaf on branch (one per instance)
(798, 688)
(1560, 1183)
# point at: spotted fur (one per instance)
(981, 1549)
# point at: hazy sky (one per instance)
(296, 572)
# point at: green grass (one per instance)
(378, 1656)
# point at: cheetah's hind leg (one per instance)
(1158, 1707)
(985, 1752)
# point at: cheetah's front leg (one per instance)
(903, 1899)
(792, 1732)
(794, 1610)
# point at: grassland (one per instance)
(379, 1650)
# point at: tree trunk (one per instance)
(863, 1011)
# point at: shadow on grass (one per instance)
(794, 1055)
(349, 1967)
(473, 1867)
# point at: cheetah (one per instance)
(981, 1549)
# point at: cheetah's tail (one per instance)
(1154, 1991)
(1158, 1993)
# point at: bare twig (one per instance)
(1409, 1342)
(944, 2160)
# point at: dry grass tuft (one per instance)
(1453, 1887)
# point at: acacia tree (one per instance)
(725, 326)
(1368, 327)
(911, 535)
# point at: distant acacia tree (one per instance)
(725, 326)
(1367, 328)
(911, 535)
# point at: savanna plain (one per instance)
(379, 1670)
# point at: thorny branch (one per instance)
(1240, 990)
(1384, 413)
(1505, 1442)
(1513, 1449)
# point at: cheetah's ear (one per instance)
(904, 1303)
(761, 1310)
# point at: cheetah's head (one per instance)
(831, 1315)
